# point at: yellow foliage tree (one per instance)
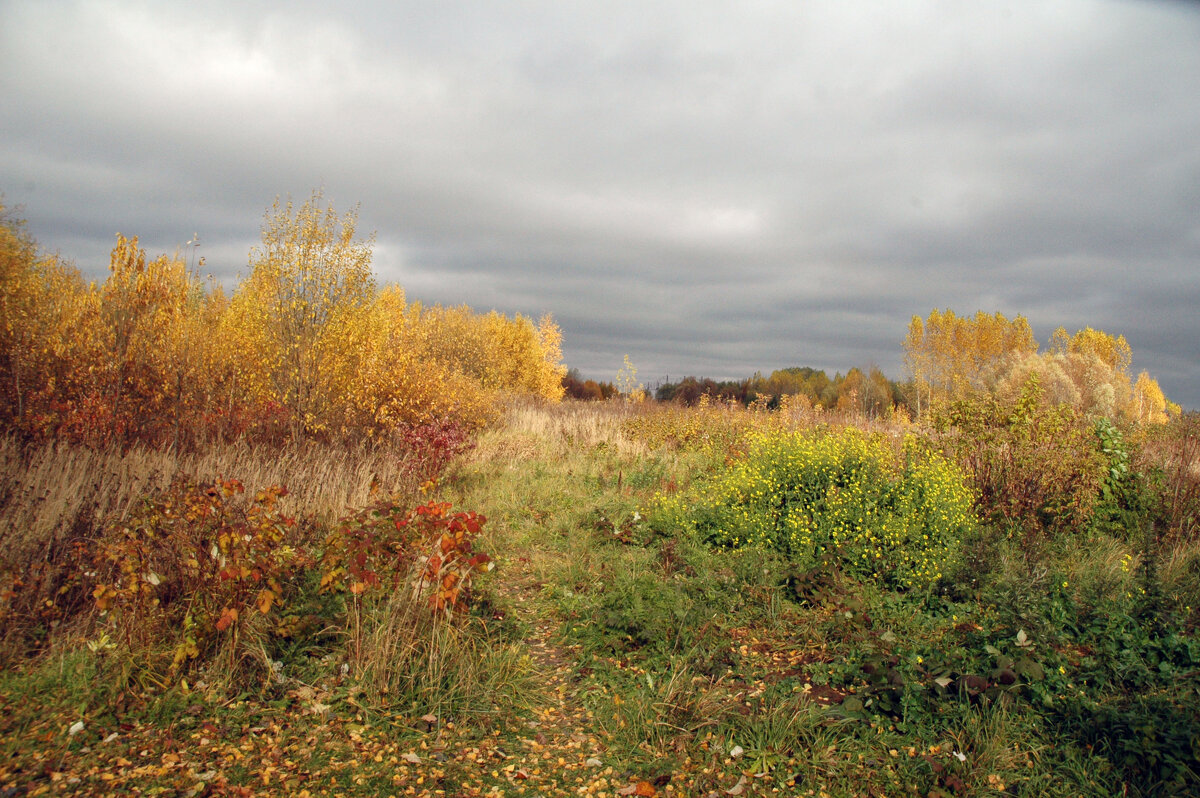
(949, 355)
(1113, 351)
(1097, 366)
(305, 345)
(549, 368)
(400, 375)
(627, 383)
(151, 314)
(309, 271)
(522, 357)
(1150, 406)
(48, 320)
(851, 392)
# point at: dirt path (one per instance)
(561, 751)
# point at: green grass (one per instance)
(655, 615)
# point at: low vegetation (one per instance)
(664, 615)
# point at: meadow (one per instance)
(610, 599)
(312, 538)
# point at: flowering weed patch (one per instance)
(843, 499)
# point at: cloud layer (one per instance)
(710, 191)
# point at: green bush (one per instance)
(644, 609)
(1150, 740)
(841, 498)
(639, 603)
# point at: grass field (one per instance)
(625, 642)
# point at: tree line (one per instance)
(953, 357)
(949, 358)
(307, 345)
(869, 392)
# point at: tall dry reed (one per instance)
(55, 498)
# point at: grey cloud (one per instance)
(712, 192)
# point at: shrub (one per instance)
(1169, 456)
(1116, 508)
(200, 567)
(842, 498)
(1148, 734)
(381, 546)
(195, 565)
(643, 609)
(1036, 465)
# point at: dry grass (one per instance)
(55, 497)
(409, 658)
(47, 491)
(530, 430)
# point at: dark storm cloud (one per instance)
(711, 191)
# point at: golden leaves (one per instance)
(950, 354)
(951, 357)
(306, 344)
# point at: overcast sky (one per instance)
(712, 188)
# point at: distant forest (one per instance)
(870, 393)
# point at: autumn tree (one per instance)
(878, 394)
(627, 382)
(22, 296)
(48, 341)
(400, 373)
(18, 305)
(1091, 370)
(309, 271)
(1149, 405)
(687, 391)
(1112, 351)
(811, 383)
(405, 364)
(576, 387)
(850, 391)
(151, 333)
(952, 357)
(523, 357)
(949, 355)
(918, 357)
(306, 344)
